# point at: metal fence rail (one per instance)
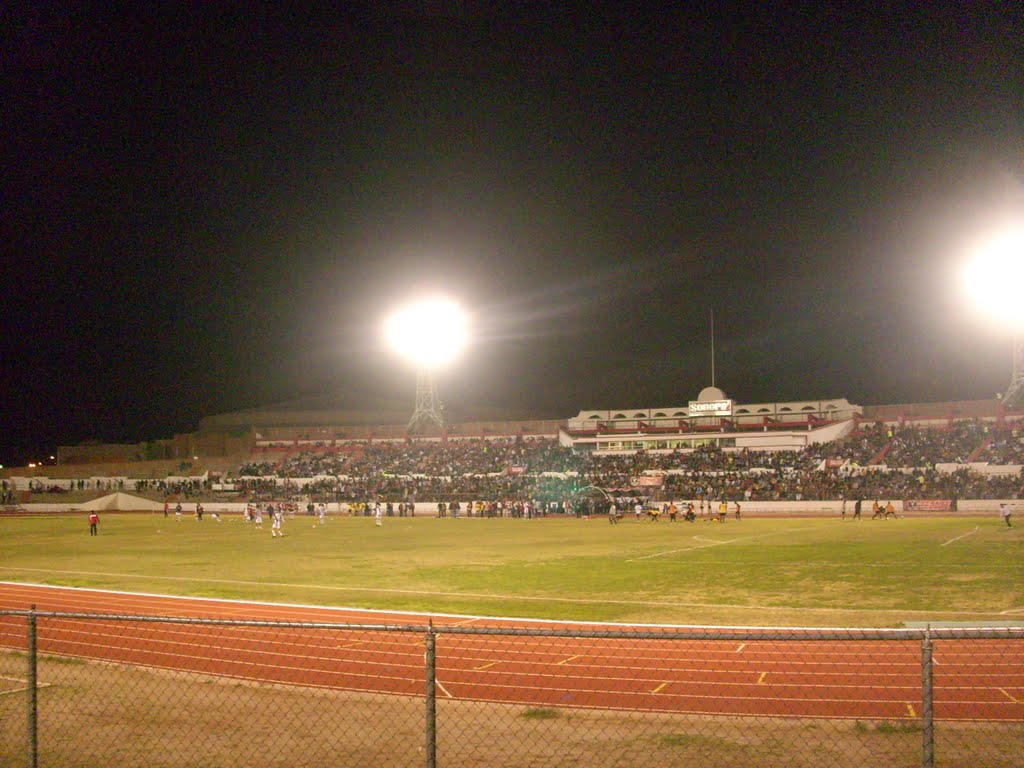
(83, 689)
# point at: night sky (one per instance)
(205, 211)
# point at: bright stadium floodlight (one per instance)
(430, 334)
(992, 278)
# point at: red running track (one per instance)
(856, 678)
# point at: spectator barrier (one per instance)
(82, 689)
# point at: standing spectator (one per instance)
(94, 521)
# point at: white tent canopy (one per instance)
(121, 501)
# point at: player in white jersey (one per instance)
(377, 513)
(321, 511)
(275, 525)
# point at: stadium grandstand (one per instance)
(932, 454)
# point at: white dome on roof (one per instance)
(709, 394)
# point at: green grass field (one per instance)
(764, 572)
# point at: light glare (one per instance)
(993, 276)
(429, 333)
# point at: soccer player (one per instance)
(1004, 512)
(377, 514)
(321, 511)
(275, 525)
(94, 521)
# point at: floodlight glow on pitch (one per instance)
(993, 276)
(429, 333)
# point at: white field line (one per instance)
(717, 543)
(957, 538)
(443, 689)
(431, 593)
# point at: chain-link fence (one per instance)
(102, 690)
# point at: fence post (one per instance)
(431, 742)
(927, 702)
(33, 734)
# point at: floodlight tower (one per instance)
(430, 334)
(1014, 397)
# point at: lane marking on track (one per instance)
(443, 689)
(910, 709)
(760, 680)
(1008, 695)
(353, 645)
(957, 538)
(566, 661)
(485, 666)
(464, 623)
(659, 687)
(22, 690)
(742, 646)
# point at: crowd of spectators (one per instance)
(876, 461)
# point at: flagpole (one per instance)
(712, 346)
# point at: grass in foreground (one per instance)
(779, 572)
(96, 714)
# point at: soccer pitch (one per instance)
(756, 572)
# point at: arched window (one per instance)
(593, 416)
(639, 415)
(659, 415)
(619, 416)
(764, 410)
(680, 413)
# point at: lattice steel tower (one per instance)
(428, 410)
(1014, 397)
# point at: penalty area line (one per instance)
(962, 535)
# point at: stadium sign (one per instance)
(711, 408)
(929, 505)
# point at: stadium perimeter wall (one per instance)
(965, 508)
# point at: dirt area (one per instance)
(100, 714)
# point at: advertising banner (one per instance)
(929, 505)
